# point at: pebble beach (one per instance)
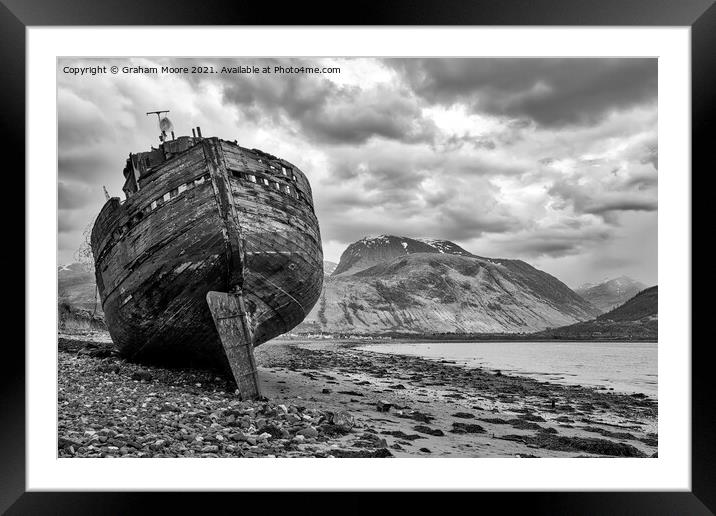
(331, 399)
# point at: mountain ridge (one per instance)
(635, 319)
(393, 283)
(362, 254)
(610, 293)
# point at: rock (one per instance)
(577, 444)
(398, 386)
(417, 416)
(351, 393)
(368, 440)
(402, 435)
(64, 443)
(466, 428)
(425, 450)
(271, 430)
(464, 415)
(326, 391)
(158, 444)
(292, 419)
(343, 420)
(96, 352)
(495, 420)
(531, 417)
(374, 454)
(521, 424)
(109, 368)
(427, 430)
(564, 419)
(308, 432)
(142, 376)
(383, 406)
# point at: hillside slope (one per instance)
(76, 287)
(329, 267)
(368, 252)
(611, 293)
(392, 283)
(637, 319)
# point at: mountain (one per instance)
(390, 283)
(637, 319)
(644, 306)
(610, 293)
(329, 267)
(372, 251)
(76, 305)
(76, 287)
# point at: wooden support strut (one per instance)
(233, 326)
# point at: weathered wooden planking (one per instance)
(232, 323)
(153, 280)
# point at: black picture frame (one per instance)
(17, 15)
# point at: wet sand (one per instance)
(330, 399)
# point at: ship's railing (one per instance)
(139, 214)
(267, 181)
(290, 190)
(258, 179)
(159, 201)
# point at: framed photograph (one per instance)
(402, 255)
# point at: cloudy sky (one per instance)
(553, 161)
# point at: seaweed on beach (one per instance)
(577, 444)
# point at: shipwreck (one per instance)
(215, 250)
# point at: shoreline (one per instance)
(475, 337)
(552, 373)
(329, 399)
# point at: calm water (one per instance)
(625, 367)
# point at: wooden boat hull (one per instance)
(221, 231)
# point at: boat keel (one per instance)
(232, 324)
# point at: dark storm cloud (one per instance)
(558, 247)
(621, 204)
(354, 117)
(602, 202)
(557, 241)
(642, 181)
(376, 174)
(406, 151)
(322, 110)
(552, 92)
(72, 220)
(89, 166)
(412, 223)
(78, 129)
(462, 223)
(417, 201)
(73, 195)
